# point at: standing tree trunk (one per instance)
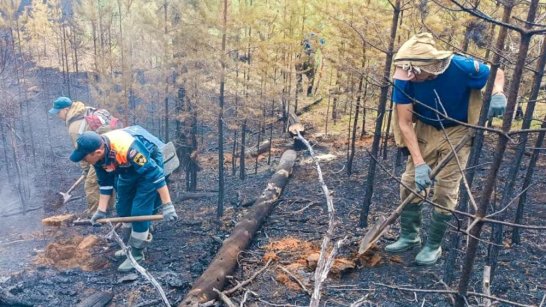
(497, 233)
(475, 152)
(499, 153)
(220, 205)
(379, 121)
(5, 146)
(355, 126)
(364, 96)
(242, 167)
(516, 239)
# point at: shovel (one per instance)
(66, 196)
(377, 230)
(125, 219)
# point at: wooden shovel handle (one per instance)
(75, 184)
(128, 219)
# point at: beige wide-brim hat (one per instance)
(418, 54)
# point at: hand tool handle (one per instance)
(128, 219)
(75, 184)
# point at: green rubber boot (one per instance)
(433, 248)
(137, 250)
(410, 222)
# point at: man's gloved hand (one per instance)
(422, 177)
(497, 105)
(98, 215)
(169, 214)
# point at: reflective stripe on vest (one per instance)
(120, 142)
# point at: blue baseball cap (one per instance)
(88, 142)
(59, 104)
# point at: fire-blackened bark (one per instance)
(499, 153)
(220, 204)
(226, 258)
(242, 167)
(370, 180)
(475, 151)
(508, 189)
(355, 126)
(526, 182)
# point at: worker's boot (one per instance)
(137, 251)
(433, 248)
(124, 234)
(410, 222)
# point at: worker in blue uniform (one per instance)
(130, 160)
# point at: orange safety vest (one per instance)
(120, 142)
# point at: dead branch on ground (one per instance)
(126, 249)
(325, 260)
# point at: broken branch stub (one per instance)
(226, 259)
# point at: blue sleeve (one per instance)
(478, 78)
(144, 164)
(401, 91)
(477, 72)
(105, 180)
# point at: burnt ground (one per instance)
(62, 266)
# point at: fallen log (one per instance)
(226, 259)
(263, 147)
(295, 127)
(196, 195)
(59, 220)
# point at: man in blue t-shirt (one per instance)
(433, 89)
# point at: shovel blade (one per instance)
(66, 197)
(373, 234)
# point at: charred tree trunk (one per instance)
(499, 153)
(183, 148)
(379, 121)
(355, 126)
(363, 132)
(194, 166)
(65, 56)
(497, 233)
(242, 167)
(226, 259)
(516, 239)
(5, 147)
(270, 145)
(475, 152)
(387, 130)
(329, 100)
(220, 205)
(258, 144)
(234, 154)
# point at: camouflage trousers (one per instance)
(434, 146)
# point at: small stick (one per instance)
(452, 292)
(246, 282)
(486, 284)
(113, 234)
(224, 298)
(295, 278)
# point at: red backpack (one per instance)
(101, 119)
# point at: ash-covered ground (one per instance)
(64, 266)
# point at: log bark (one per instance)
(295, 127)
(226, 259)
(196, 195)
(262, 148)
